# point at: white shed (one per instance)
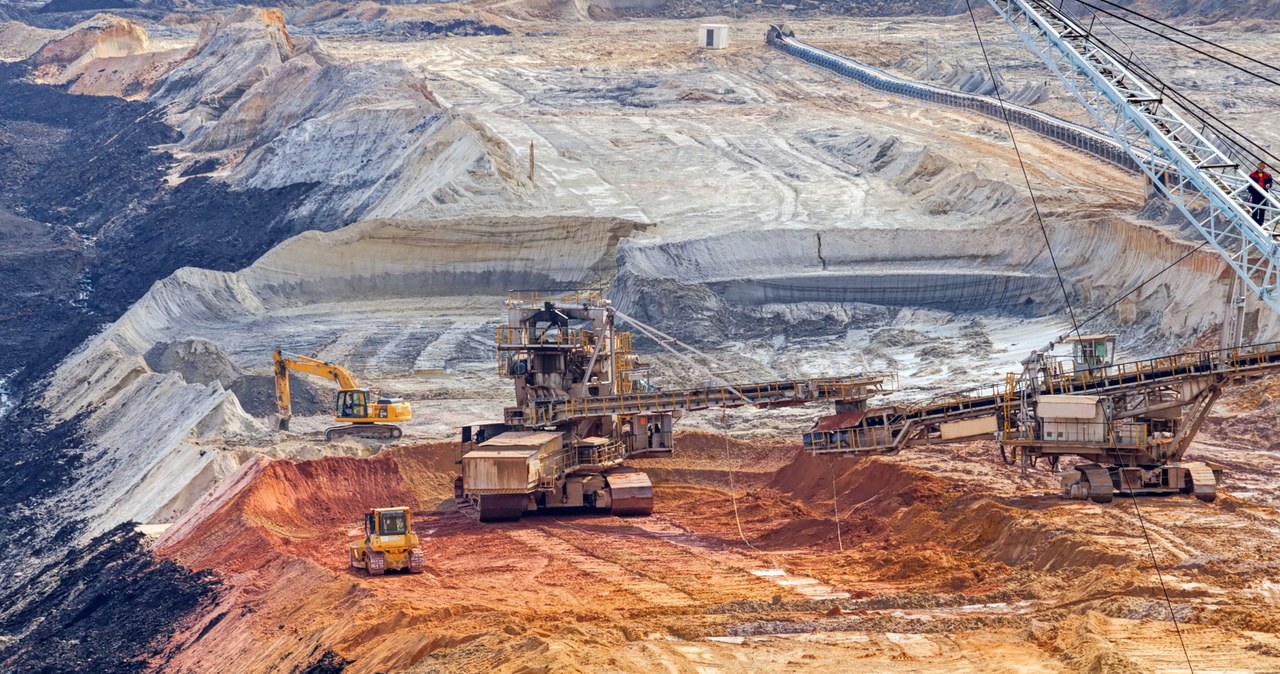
(713, 36)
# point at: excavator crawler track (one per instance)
(502, 507)
(367, 431)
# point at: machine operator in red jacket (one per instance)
(1259, 185)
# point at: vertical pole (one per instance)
(1233, 315)
(530, 161)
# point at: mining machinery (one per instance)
(389, 543)
(584, 405)
(367, 415)
(1130, 422)
(1201, 171)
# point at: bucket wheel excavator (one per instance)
(1132, 423)
(584, 405)
(367, 416)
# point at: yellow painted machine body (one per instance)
(389, 543)
(360, 406)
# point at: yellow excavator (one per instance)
(367, 416)
(389, 543)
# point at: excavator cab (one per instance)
(360, 406)
(352, 405)
(389, 543)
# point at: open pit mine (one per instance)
(638, 336)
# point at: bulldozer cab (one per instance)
(353, 403)
(392, 522)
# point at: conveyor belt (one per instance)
(881, 429)
(1073, 135)
(767, 394)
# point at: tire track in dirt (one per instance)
(689, 569)
(544, 539)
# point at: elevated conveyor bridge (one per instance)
(887, 430)
(853, 389)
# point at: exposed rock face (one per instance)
(98, 608)
(277, 139)
(104, 235)
(200, 361)
(19, 40)
(275, 111)
(253, 134)
(102, 37)
(159, 405)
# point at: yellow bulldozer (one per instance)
(389, 543)
(368, 416)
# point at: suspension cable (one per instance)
(1160, 577)
(733, 490)
(1171, 27)
(1025, 176)
(835, 502)
(1240, 142)
(1150, 548)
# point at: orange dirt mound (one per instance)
(280, 503)
(871, 485)
(903, 549)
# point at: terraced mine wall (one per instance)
(1072, 135)
(81, 240)
(104, 235)
(1007, 293)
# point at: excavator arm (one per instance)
(286, 362)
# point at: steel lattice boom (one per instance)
(1208, 186)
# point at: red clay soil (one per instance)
(925, 572)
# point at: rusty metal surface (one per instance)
(1100, 487)
(502, 507)
(838, 421)
(1204, 482)
(631, 491)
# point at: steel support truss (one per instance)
(1202, 181)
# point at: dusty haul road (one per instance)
(938, 566)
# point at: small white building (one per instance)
(713, 36)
